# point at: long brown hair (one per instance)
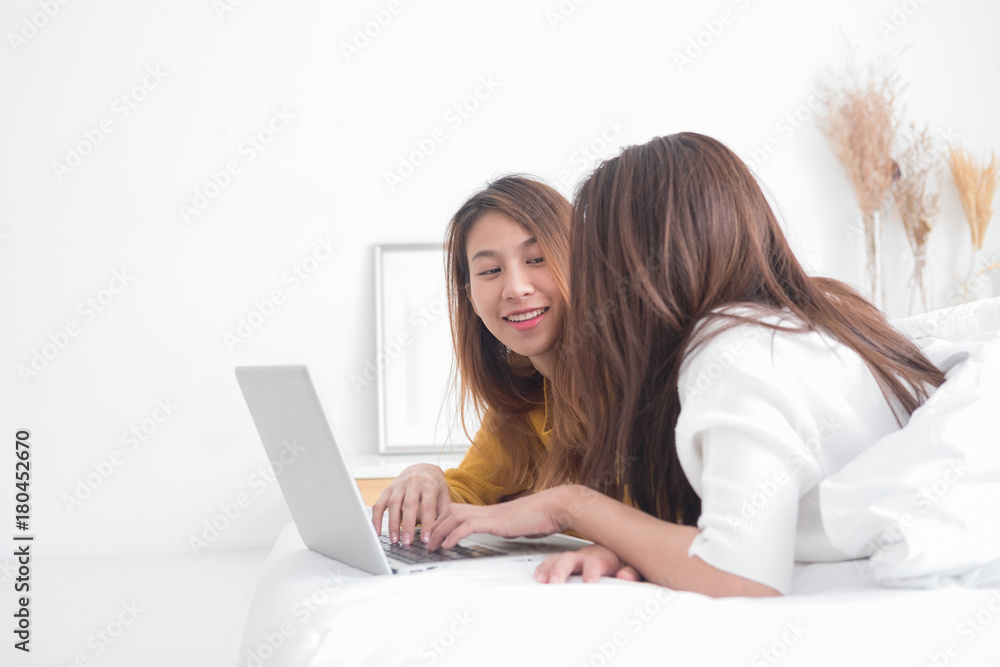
(489, 374)
(661, 236)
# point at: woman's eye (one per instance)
(537, 260)
(488, 272)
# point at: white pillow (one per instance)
(948, 336)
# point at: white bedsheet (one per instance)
(310, 610)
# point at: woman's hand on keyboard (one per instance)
(536, 515)
(420, 493)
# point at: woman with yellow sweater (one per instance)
(507, 254)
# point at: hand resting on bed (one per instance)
(592, 562)
(656, 549)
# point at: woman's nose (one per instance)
(517, 285)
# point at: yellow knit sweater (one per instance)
(477, 478)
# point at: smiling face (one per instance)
(511, 288)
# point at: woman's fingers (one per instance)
(557, 568)
(455, 523)
(569, 564)
(437, 531)
(408, 524)
(592, 562)
(543, 569)
(419, 492)
(378, 509)
(437, 504)
(451, 532)
(593, 569)
(428, 509)
(536, 514)
(396, 496)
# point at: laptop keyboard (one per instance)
(417, 551)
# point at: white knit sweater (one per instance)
(765, 415)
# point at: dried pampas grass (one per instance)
(861, 123)
(976, 187)
(917, 207)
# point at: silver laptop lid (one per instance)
(314, 477)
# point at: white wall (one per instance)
(221, 76)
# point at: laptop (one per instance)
(321, 493)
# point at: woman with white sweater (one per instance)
(705, 384)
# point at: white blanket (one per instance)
(927, 498)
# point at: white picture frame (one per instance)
(416, 407)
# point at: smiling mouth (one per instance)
(524, 317)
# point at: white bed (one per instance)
(310, 610)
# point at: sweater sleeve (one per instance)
(478, 478)
(741, 437)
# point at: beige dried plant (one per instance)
(861, 124)
(917, 207)
(977, 186)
